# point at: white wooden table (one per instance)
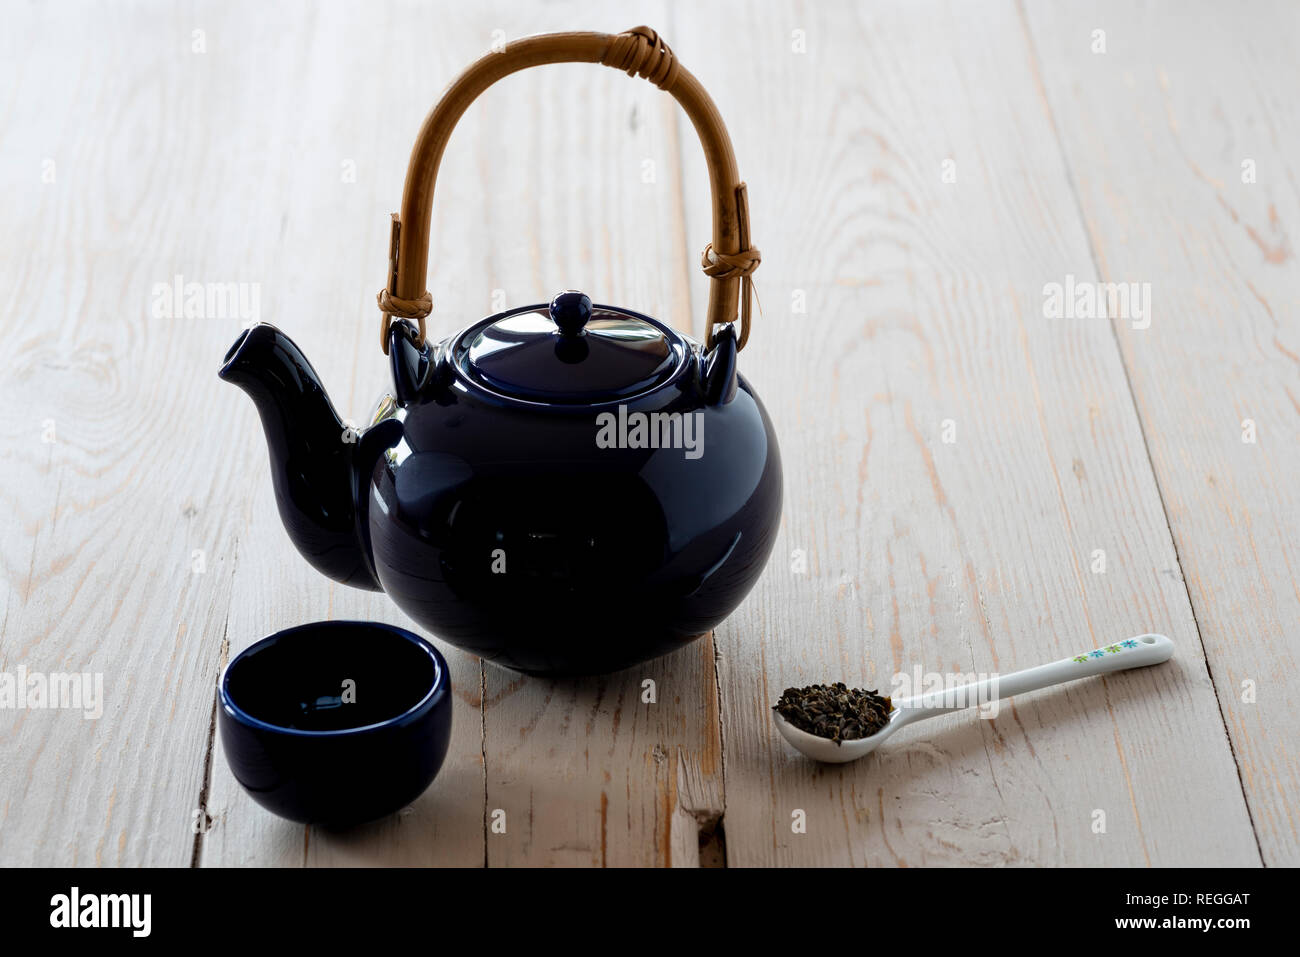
(972, 484)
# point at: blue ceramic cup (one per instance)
(336, 722)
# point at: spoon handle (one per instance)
(1135, 652)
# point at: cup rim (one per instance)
(438, 684)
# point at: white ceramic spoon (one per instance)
(1136, 652)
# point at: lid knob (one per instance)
(570, 311)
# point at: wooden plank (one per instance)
(1156, 132)
(579, 166)
(331, 247)
(117, 550)
(924, 304)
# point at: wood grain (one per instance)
(118, 555)
(1155, 133)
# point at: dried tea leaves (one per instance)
(836, 712)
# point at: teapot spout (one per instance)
(313, 454)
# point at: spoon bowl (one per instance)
(829, 752)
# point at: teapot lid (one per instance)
(570, 352)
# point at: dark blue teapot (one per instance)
(563, 488)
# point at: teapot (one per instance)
(562, 488)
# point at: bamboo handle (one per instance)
(728, 260)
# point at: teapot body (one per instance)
(572, 539)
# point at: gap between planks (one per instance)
(205, 786)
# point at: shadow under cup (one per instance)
(336, 722)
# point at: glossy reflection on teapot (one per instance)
(561, 490)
